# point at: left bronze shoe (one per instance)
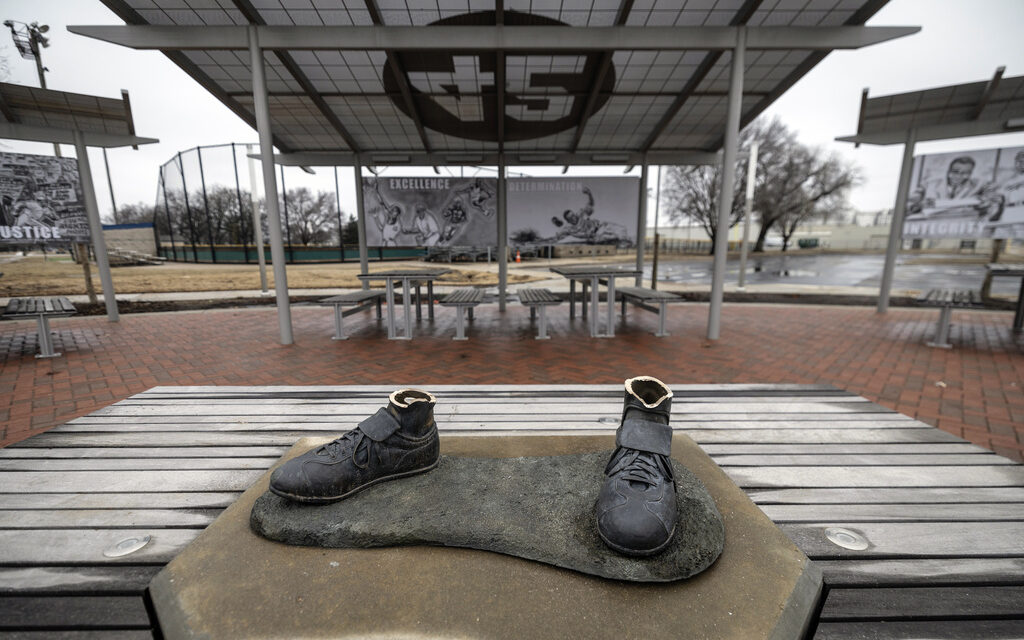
(399, 440)
(636, 508)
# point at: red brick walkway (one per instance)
(975, 390)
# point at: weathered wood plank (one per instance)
(128, 464)
(944, 603)
(944, 572)
(823, 410)
(489, 390)
(844, 449)
(117, 481)
(913, 539)
(53, 634)
(566, 421)
(133, 500)
(920, 495)
(96, 612)
(903, 630)
(60, 546)
(897, 512)
(79, 580)
(107, 518)
(142, 452)
(935, 476)
(287, 438)
(474, 402)
(868, 460)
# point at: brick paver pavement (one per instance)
(975, 390)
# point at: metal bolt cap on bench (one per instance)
(399, 440)
(636, 509)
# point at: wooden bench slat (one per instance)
(96, 612)
(70, 579)
(891, 603)
(965, 298)
(944, 629)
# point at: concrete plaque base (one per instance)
(538, 508)
(232, 583)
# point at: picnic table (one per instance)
(934, 525)
(593, 275)
(1007, 270)
(42, 309)
(408, 278)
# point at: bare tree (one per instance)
(134, 213)
(794, 183)
(808, 184)
(691, 193)
(312, 219)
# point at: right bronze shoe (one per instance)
(636, 509)
(399, 440)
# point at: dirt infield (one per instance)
(58, 275)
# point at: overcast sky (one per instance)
(960, 42)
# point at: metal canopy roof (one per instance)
(45, 115)
(585, 106)
(975, 108)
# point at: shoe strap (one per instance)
(380, 425)
(644, 435)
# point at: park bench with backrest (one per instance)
(946, 300)
(646, 299)
(42, 309)
(463, 299)
(358, 300)
(539, 299)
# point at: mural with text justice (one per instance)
(41, 200)
(967, 194)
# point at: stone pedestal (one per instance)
(232, 583)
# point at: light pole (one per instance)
(29, 40)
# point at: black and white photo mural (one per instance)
(967, 194)
(547, 211)
(41, 200)
(430, 212)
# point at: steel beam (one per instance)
(309, 91)
(262, 109)
(502, 234)
(414, 158)
(92, 212)
(896, 229)
(641, 229)
(364, 259)
(486, 38)
(990, 88)
(934, 132)
(732, 135)
(32, 133)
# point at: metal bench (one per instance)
(542, 299)
(643, 298)
(946, 299)
(360, 300)
(42, 309)
(462, 299)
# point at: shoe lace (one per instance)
(639, 466)
(353, 443)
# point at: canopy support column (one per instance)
(361, 221)
(262, 107)
(641, 225)
(748, 206)
(896, 230)
(502, 234)
(732, 134)
(92, 212)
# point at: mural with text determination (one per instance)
(41, 200)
